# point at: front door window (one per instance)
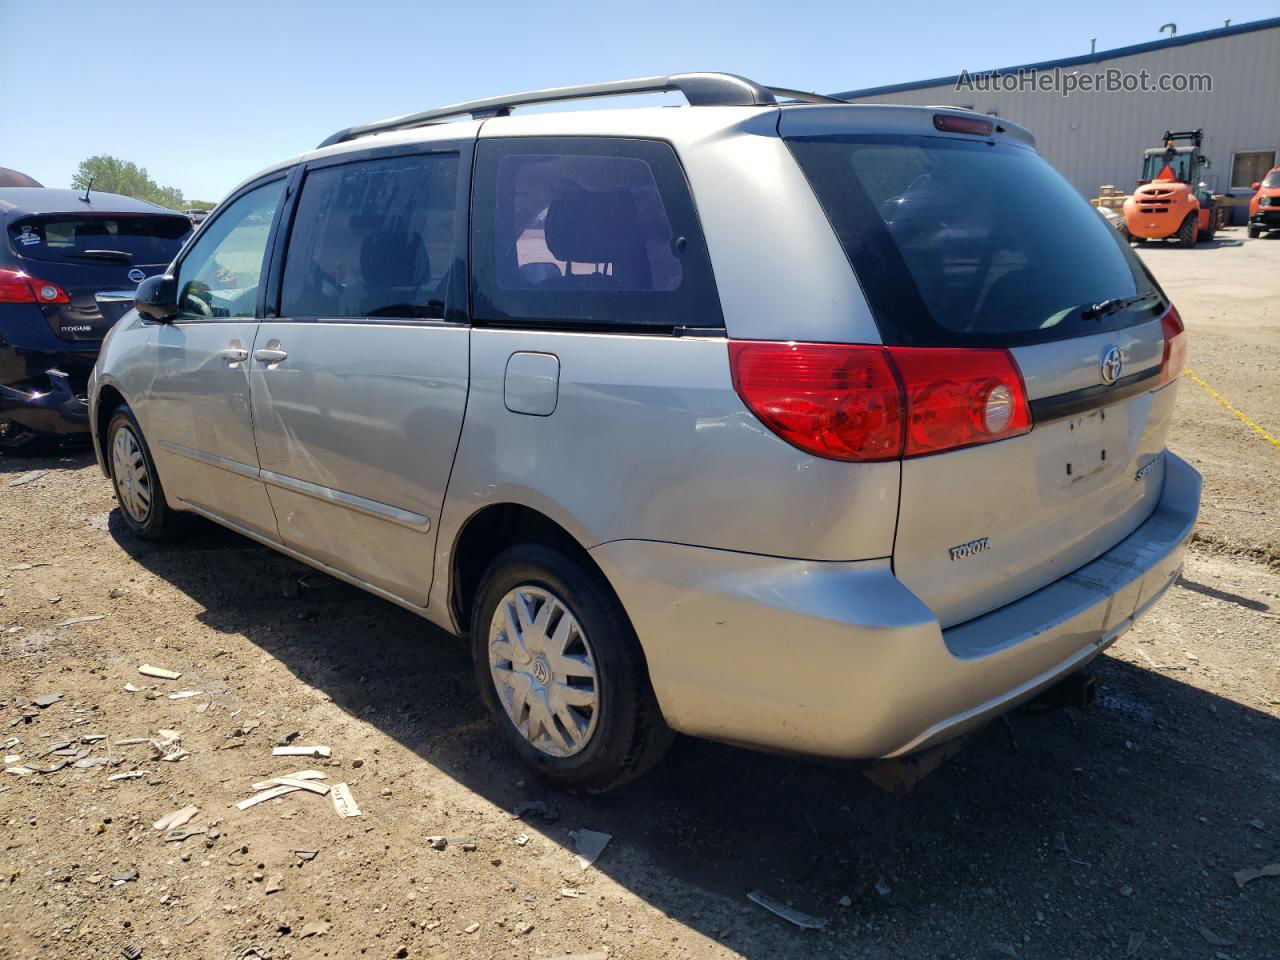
(219, 277)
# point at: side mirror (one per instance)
(1255, 186)
(157, 297)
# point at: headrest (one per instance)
(591, 226)
(393, 259)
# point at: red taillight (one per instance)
(1175, 346)
(957, 397)
(17, 287)
(833, 400)
(948, 123)
(861, 403)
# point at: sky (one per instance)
(203, 95)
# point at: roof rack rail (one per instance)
(804, 96)
(700, 89)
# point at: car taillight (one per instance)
(957, 397)
(863, 403)
(833, 400)
(17, 287)
(1175, 346)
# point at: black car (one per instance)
(58, 252)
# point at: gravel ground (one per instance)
(1105, 833)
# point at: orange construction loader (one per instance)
(1170, 202)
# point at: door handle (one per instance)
(234, 355)
(266, 355)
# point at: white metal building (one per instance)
(1097, 138)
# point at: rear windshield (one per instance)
(967, 243)
(103, 239)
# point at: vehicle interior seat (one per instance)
(602, 228)
(395, 267)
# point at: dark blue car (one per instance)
(68, 268)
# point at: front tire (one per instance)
(1187, 232)
(562, 672)
(1255, 233)
(139, 493)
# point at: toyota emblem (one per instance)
(1112, 364)
(136, 275)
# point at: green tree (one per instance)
(113, 175)
(200, 204)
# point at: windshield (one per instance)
(965, 242)
(1272, 180)
(1179, 164)
(138, 239)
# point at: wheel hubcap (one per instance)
(133, 479)
(544, 671)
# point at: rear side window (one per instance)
(588, 232)
(101, 238)
(965, 243)
(374, 238)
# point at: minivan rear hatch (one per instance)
(970, 240)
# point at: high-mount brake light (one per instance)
(949, 123)
(1175, 346)
(18, 287)
(864, 403)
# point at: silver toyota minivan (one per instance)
(816, 427)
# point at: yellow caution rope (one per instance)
(1234, 412)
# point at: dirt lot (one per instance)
(1113, 832)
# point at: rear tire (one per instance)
(1209, 231)
(1187, 232)
(553, 648)
(17, 441)
(139, 493)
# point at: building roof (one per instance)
(1099, 57)
(23, 201)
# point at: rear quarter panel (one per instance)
(648, 440)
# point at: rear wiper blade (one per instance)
(1105, 308)
(121, 255)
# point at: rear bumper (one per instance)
(842, 660)
(49, 404)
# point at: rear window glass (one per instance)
(151, 240)
(585, 222)
(595, 232)
(963, 242)
(373, 238)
